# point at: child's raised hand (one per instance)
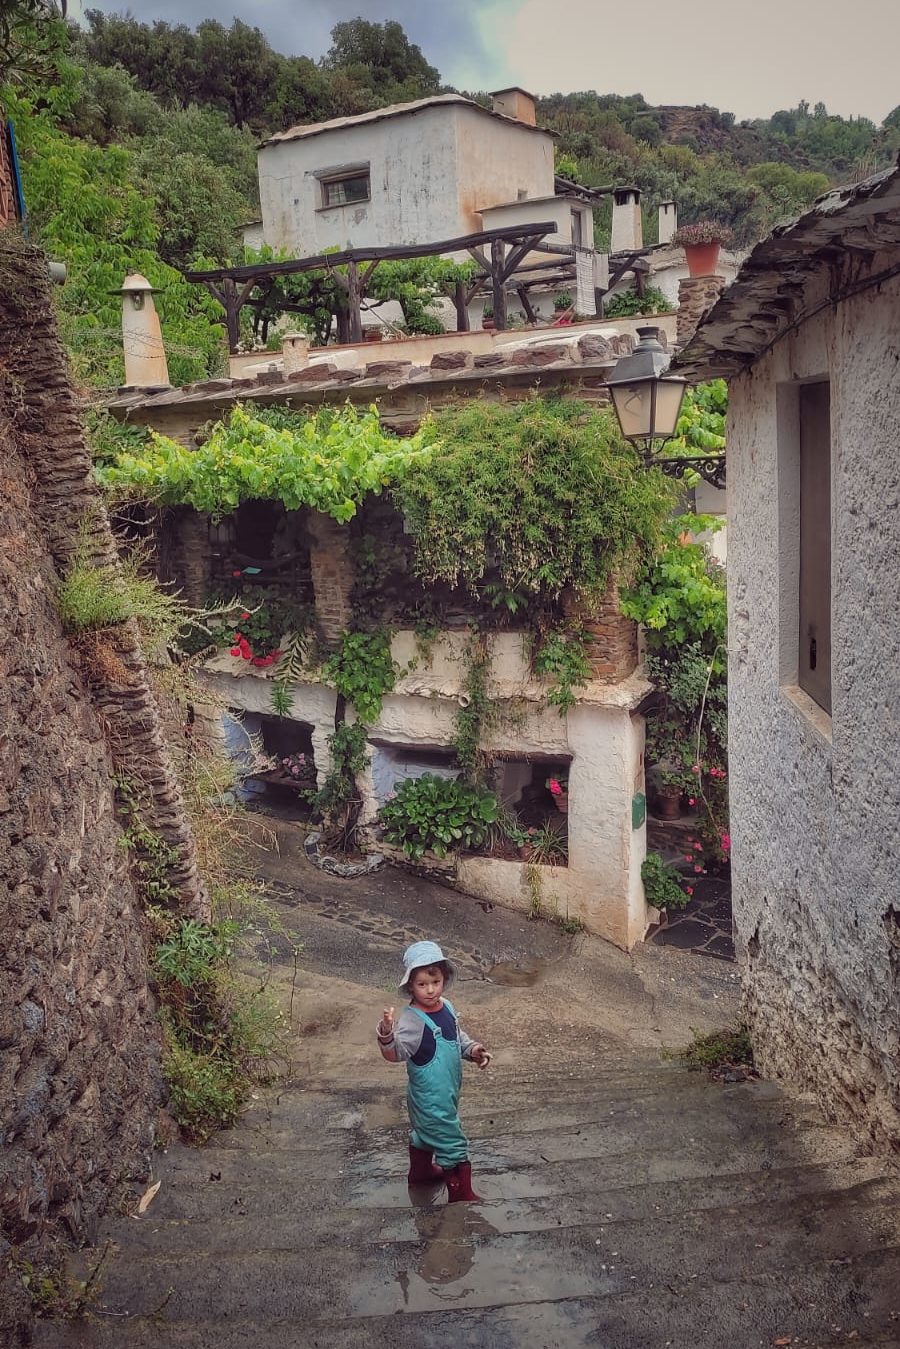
(386, 1024)
(480, 1055)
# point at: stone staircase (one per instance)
(628, 1205)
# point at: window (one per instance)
(577, 229)
(814, 644)
(345, 189)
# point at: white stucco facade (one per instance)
(430, 171)
(815, 799)
(601, 740)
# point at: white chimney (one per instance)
(516, 103)
(627, 228)
(668, 221)
(145, 355)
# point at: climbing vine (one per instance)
(475, 712)
(363, 671)
(562, 658)
(329, 462)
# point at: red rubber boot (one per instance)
(422, 1170)
(459, 1185)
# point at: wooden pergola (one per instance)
(498, 255)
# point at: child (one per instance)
(428, 1038)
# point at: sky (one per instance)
(747, 59)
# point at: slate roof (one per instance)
(765, 300)
(301, 132)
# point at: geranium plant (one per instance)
(558, 785)
(702, 232)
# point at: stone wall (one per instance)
(332, 574)
(815, 798)
(696, 294)
(79, 1040)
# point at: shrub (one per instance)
(530, 498)
(629, 303)
(662, 883)
(101, 597)
(720, 1049)
(432, 814)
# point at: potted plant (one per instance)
(669, 787)
(545, 847)
(663, 886)
(373, 334)
(558, 787)
(487, 318)
(701, 243)
(562, 306)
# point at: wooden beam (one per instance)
(517, 255)
(497, 269)
(480, 258)
(354, 302)
(460, 299)
(526, 305)
(326, 261)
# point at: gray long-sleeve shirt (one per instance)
(414, 1040)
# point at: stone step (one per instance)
(808, 1194)
(480, 1271)
(698, 1317)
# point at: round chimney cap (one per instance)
(135, 283)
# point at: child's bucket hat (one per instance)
(425, 953)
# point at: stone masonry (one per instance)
(332, 574)
(80, 1083)
(696, 295)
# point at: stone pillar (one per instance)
(332, 574)
(668, 221)
(696, 294)
(612, 639)
(627, 226)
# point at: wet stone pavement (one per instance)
(704, 925)
(627, 1204)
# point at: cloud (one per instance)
(457, 36)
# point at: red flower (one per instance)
(236, 573)
(726, 841)
(235, 651)
(698, 847)
(689, 889)
(246, 654)
(691, 801)
(698, 869)
(245, 615)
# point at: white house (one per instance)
(405, 174)
(418, 173)
(809, 337)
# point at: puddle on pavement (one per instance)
(517, 974)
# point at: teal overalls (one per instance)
(432, 1098)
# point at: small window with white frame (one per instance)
(345, 188)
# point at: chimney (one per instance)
(145, 355)
(668, 221)
(627, 229)
(516, 103)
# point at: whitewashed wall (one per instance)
(815, 800)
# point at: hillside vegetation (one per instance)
(138, 144)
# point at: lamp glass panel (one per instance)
(669, 397)
(633, 405)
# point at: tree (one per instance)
(381, 56)
(32, 35)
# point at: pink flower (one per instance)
(698, 869)
(726, 841)
(688, 857)
(695, 768)
(555, 787)
(698, 847)
(689, 889)
(235, 651)
(692, 801)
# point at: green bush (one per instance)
(629, 304)
(562, 659)
(662, 883)
(192, 953)
(432, 814)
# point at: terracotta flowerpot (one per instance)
(668, 803)
(525, 851)
(487, 325)
(562, 803)
(373, 335)
(702, 259)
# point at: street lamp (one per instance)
(647, 401)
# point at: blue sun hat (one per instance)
(425, 953)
